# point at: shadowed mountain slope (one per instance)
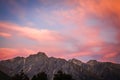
(40, 62)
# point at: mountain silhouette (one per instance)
(40, 62)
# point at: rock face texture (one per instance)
(40, 62)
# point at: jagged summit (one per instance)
(17, 58)
(92, 62)
(39, 54)
(76, 61)
(40, 62)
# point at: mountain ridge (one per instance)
(39, 62)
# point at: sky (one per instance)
(81, 29)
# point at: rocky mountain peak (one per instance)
(40, 62)
(38, 55)
(92, 62)
(76, 61)
(18, 58)
(41, 54)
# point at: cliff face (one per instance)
(34, 64)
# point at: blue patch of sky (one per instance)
(6, 10)
(41, 21)
(55, 5)
(6, 15)
(30, 14)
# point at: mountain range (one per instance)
(40, 62)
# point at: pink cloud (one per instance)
(8, 53)
(78, 38)
(48, 41)
(110, 55)
(40, 35)
(89, 36)
(6, 35)
(79, 54)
